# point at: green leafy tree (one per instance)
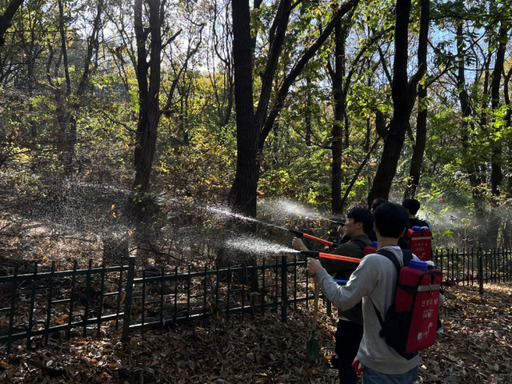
(403, 93)
(244, 189)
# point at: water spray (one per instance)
(226, 212)
(288, 208)
(257, 246)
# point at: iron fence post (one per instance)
(128, 299)
(13, 307)
(480, 271)
(284, 287)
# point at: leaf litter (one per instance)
(475, 347)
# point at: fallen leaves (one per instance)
(475, 347)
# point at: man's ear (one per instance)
(403, 232)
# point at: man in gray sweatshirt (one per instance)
(374, 282)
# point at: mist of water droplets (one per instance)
(255, 245)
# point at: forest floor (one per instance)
(475, 347)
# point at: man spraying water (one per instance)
(350, 324)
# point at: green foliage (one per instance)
(196, 149)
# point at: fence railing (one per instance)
(48, 304)
(474, 266)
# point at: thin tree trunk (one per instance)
(339, 112)
(66, 121)
(404, 94)
(496, 144)
(496, 155)
(148, 77)
(6, 18)
(421, 120)
(243, 191)
(470, 162)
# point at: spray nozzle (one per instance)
(306, 254)
(299, 234)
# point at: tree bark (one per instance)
(6, 18)
(421, 120)
(243, 191)
(403, 93)
(148, 78)
(339, 115)
(257, 125)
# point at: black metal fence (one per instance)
(474, 266)
(37, 306)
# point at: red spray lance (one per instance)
(301, 235)
(305, 254)
(324, 255)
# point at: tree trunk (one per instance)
(495, 219)
(339, 112)
(496, 154)
(244, 188)
(471, 162)
(421, 121)
(148, 77)
(67, 135)
(296, 70)
(6, 18)
(404, 94)
(66, 121)
(309, 105)
(257, 125)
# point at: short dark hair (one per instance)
(391, 220)
(412, 205)
(360, 214)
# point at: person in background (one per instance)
(373, 283)
(344, 237)
(413, 206)
(375, 203)
(350, 323)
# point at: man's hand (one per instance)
(298, 244)
(358, 366)
(314, 266)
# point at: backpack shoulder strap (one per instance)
(389, 255)
(407, 257)
(360, 243)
